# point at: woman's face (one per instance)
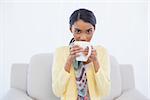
(82, 31)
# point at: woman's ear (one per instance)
(70, 29)
(94, 28)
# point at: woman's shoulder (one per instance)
(62, 49)
(100, 47)
(101, 50)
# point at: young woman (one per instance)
(77, 80)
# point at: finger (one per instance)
(90, 59)
(93, 54)
(74, 52)
(93, 48)
(74, 56)
(85, 52)
(74, 48)
(77, 55)
(94, 51)
(77, 51)
(87, 48)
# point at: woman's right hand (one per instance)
(74, 52)
(75, 49)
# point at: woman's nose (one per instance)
(82, 38)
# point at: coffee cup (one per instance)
(84, 45)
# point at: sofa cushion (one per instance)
(39, 77)
(115, 80)
(16, 94)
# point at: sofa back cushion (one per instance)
(115, 77)
(127, 73)
(39, 81)
(39, 84)
(19, 76)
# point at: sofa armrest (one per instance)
(19, 76)
(16, 94)
(132, 94)
(127, 76)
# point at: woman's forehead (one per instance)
(82, 25)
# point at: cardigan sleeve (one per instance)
(60, 77)
(102, 77)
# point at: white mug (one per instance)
(84, 45)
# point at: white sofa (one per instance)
(33, 81)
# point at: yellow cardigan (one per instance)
(64, 83)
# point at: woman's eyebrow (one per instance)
(80, 29)
(77, 29)
(89, 29)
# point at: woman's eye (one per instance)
(77, 31)
(89, 31)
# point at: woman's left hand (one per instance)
(92, 57)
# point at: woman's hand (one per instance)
(92, 57)
(74, 52)
(75, 49)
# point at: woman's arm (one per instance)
(102, 75)
(59, 73)
(100, 59)
(61, 68)
(96, 65)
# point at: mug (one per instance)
(84, 45)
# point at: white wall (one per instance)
(1, 50)
(29, 28)
(149, 47)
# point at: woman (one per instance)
(77, 80)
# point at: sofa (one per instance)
(33, 81)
